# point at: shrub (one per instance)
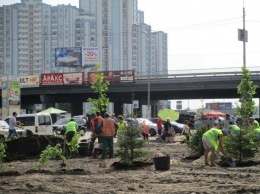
(50, 153)
(244, 142)
(195, 141)
(130, 147)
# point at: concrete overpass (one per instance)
(163, 87)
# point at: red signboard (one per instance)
(62, 78)
(113, 76)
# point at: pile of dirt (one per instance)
(31, 146)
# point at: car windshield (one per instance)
(62, 121)
(4, 124)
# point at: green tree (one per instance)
(242, 145)
(130, 147)
(246, 89)
(100, 87)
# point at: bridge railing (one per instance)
(196, 73)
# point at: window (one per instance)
(26, 121)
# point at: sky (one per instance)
(202, 34)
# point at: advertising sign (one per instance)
(113, 76)
(62, 78)
(68, 57)
(135, 104)
(219, 106)
(73, 78)
(90, 56)
(29, 81)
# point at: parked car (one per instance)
(178, 127)
(60, 125)
(153, 126)
(4, 130)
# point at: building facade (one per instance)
(31, 30)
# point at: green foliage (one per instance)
(3, 167)
(195, 141)
(99, 86)
(244, 142)
(73, 145)
(50, 153)
(130, 147)
(243, 145)
(246, 89)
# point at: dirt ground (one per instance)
(89, 175)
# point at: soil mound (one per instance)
(31, 146)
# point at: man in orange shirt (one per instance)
(108, 127)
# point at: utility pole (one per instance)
(245, 37)
(149, 70)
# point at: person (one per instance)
(254, 123)
(12, 124)
(121, 128)
(135, 122)
(145, 130)
(212, 140)
(71, 129)
(108, 127)
(234, 130)
(95, 121)
(228, 121)
(114, 117)
(166, 136)
(186, 130)
(159, 126)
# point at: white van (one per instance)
(38, 124)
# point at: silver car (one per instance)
(153, 126)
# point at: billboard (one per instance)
(62, 79)
(124, 76)
(29, 81)
(90, 56)
(219, 106)
(68, 57)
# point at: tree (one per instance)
(130, 147)
(99, 86)
(243, 144)
(246, 89)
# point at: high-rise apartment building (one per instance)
(29, 33)
(125, 41)
(31, 30)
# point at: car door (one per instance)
(45, 125)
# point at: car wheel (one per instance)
(28, 133)
(152, 132)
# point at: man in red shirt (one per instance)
(159, 126)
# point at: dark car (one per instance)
(60, 125)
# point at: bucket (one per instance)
(162, 162)
(83, 149)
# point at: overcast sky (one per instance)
(202, 34)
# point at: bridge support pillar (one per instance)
(76, 108)
(46, 102)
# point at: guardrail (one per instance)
(198, 74)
